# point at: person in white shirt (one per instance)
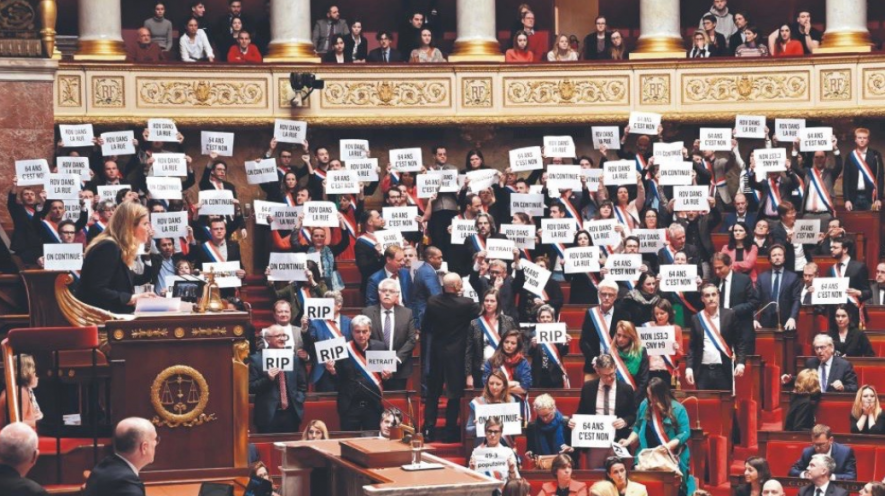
(194, 44)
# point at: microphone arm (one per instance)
(777, 310)
(410, 429)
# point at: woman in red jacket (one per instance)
(785, 45)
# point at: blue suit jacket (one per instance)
(788, 297)
(731, 218)
(426, 284)
(405, 285)
(846, 465)
(314, 334)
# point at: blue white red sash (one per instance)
(30, 211)
(184, 245)
(865, 171)
(52, 229)
(490, 332)
(359, 360)
(625, 218)
(329, 328)
(801, 189)
(774, 194)
(368, 239)
(560, 255)
(669, 254)
(511, 188)
(320, 173)
(819, 190)
(412, 197)
(685, 302)
(394, 178)
(212, 252)
(207, 230)
(713, 333)
(100, 225)
(290, 201)
(553, 354)
(606, 345)
(305, 237)
(479, 244)
(641, 164)
(525, 254)
(348, 224)
(571, 211)
(303, 295)
(657, 425)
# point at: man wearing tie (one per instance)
(599, 324)
(384, 54)
(856, 272)
(837, 375)
(737, 293)
(782, 286)
(878, 288)
(394, 268)
(394, 326)
(741, 214)
(716, 345)
(819, 471)
(279, 395)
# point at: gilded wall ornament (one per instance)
(790, 86)
(387, 93)
(108, 92)
(874, 87)
(179, 395)
(476, 92)
(69, 91)
(609, 90)
(200, 93)
(655, 89)
(835, 85)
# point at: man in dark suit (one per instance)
(741, 214)
(385, 54)
(369, 257)
(598, 44)
(394, 326)
(359, 391)
(447, 320)
(274, 412)
(321, 330)
(624, 407)
(782, 286)
(507, 290)
(163, 263)
(394, 268)
(822, 444)
(600, 319)
(836, 374)
(737, 293)
(218, 249)
(860, 191)
(858, 276)
(426, 282)
(711, 360)
(877, 289)
(135, 444)
(18, 454)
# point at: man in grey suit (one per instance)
(325, 29)
(819, 471)
(393, 325)
(878, 287)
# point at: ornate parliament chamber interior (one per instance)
(256, 247)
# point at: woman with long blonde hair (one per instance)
(107, 279)
(316, 430)
(866, 413)
(629, 347)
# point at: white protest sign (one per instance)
(558, 230)
(830, 290)
(287, 267)
(353, 149)
(668, 153)
(530, 204)
(623, 266)
(491, 460)
(717, 139)
(553, 332)
(170, 165)
(508, 412)
(559, 146)
(217, 202)
(522, 236)
(816, 139)
(62, 187)
(118, 143)
(593, 431)
(162, 130)
(285, 217)
(164, 188)
(220, 143)
(676, 174)
(282, 359)
(644, 123)
(366, 169)
(225, 273)
(691, 198)
(78, 166)
(448, 180)
(526, 159)
(263, 209)
(67, 256)
(320, 214)
(261, 171)
(749, 126)
(536, 277)
(108, 192)
(806, 231)
(619, 172)
(602, 232)
(381, 360)
(169, 224)
(561, 177)
(682, 278)
(319, 308)
(286, 131)
(72, 209)
(467, 290)
(389, 237)
(658, 340)
(769, 160)
(402, 218)
(482, 179)
(406, 160)
(650, 240)
(462, 229)
(342, 182)
(608, 136)
(31, 172)
(76, 136)
(581, 260)
(620, 451)
(427, 185)
(501, 249)
(787, 130)
(331, 349)
(593, 176)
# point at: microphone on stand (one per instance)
(408, 429)
(777, 310)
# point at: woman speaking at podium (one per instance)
(107, 280)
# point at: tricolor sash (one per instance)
(606, 345)
(774, 194)
(657, 424)
(801, 189)
(625, 218)
(52, 229)
(100, 225)
(669, 254)
(212, 252)
(184, 245)
(524, 254)
(641, 164)
(478, 243)
(571, 211)
(819, 191)
(394, 178)
(865, 171)
(290, 201)
(320, 173)
(348, 224)
(329, 329)
(685, 302)
(553, 355)
(713, 333)
(490, 332)
(303, 295)
(359, 360)
(30, 211)
(304, 236)
(368, 239)
(412, 197)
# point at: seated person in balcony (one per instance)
(562, 52)
(822, 443)
(27, 379)
(700, 48)
(244, 52)
(537, 42)
(337, 53)
(618, 50)
(751, 46)
(226, 41)
(426, 52)
(597, 45)
(785, 45)
(520, 52)
(725, 21)
(718, 45)
(225, 30)
(194, 44)
(198, 12)
(356, 44)
(739, 37)
(867, 416)
(385, 53)
(802, 32)
(160, 28)
(326, 29)
(145, 50)
(279, 395)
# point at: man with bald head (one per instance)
(772, 488)
(447, 320)
(18, 454)
(146, 51)
(135, 444)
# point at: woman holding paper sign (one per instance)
(547, 368)
(665, 366)
(849, 340)
(529, 301)
(107, 280)
(485, 336)
(742, 250)
(509, 359)
(496, 391)
(583, 285)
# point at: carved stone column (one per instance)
(100, 31)
(476, 40)
(660, 36)
(846, 27)
(290, 32)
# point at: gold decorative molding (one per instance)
(286, 95)
(108, 92)
(780, 87)
(387, 93)
(238, 330)
(655, 89)
(240, 351)
(208, 331)
(578, 91)
(149, 333)
(179, 395)
(874, 83)
(835, 85)
(204, 92)
(69, 91)
(179, 332)
(476, 92)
